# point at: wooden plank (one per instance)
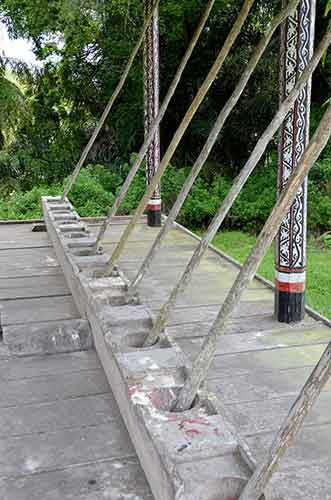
(266, 415)
(203, 297)
(42, 366)
(311, 482)
(52, 388)
(23, 311)
(203, 313)
(44, 452)
(258, 386)
(59, 415)
(312, 446)
(114, 479)
(41, 286)
(12, 272)
(32, 257)
(268, 360)
(278, 336)
(41, 241)
(16, 230)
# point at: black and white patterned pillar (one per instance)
(151, 109)
(297, 49)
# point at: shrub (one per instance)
(27, 205)
(88, 195)
(96, 187)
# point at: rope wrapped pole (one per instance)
(142, 153)
(151, 110)
(228, 201)
(290, 428)
(204, 359)
(297, 47)
(180, 132)
(222, 117)
(110, 104)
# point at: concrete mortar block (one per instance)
(58, 207)
(107, 291)
(55, 199)
(70, 269)
(183, 439)
(131, 318)
(81, 242)
(86, 261)
(166, 445)
(63, 217)
(133, 340)
(207, 479)
(72, 228)
(190, 436)
(137, 365)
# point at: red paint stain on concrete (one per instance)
(192, 432)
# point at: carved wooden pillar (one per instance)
(297, 48)
(151, 109)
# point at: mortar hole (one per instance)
(195, 404)
(83, 252)
(77, 234)
(137, 341)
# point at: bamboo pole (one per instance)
(180, 132)
(110, 104)
(204, 359)
(222, 117)
(142, 153)
(228, 201)
(290, 428)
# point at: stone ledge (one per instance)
(194, 455)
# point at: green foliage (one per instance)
(97, 185)
(49, 112)
(26, 205)
(13, 105)
(325, 239)
(88, 195)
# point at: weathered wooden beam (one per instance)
(181, 130)
(205, 357)
(110, 104)
(143, 150)
(252, 162)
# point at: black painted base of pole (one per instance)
(289, 307)
(154, 218)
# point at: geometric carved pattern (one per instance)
(297, 50)
(151, 98)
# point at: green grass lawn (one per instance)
(238, 244)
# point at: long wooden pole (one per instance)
(225, 207)
(290, 428)
(110, 104)
(204, 359)
(142, 153)
(180, 132)
(222, 117)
